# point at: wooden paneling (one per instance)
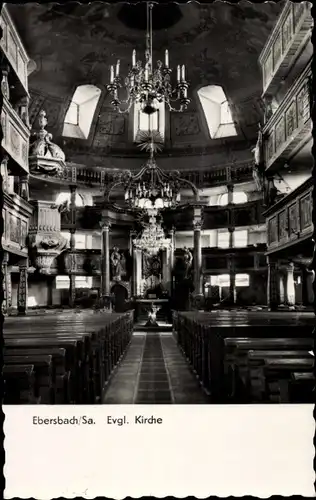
(13, 48)
(16, 213)
(290, 126)
(285, 44)
(15, 136)
(291, 219)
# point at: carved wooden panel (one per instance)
(268, 68)
(287, 31)
(277, 50)
(303, 106)
(283, 225)
(290, 119)
(293, 219)
(306, 211)
(270, 148)
(15, 136)
(272, 230)
(279, 134)
(298, 8)
(13, 48)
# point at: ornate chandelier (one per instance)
(146, 85)
(151, 188)
(153, 238)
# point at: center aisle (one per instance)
(154, 372)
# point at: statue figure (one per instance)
(118, 264)
(187, 258)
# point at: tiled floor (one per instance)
(154, 372)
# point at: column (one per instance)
(232, 279)
(171, 261)
(132, 251)
(4, 173)
(197, 224)
(139, 272)
(24, 187)
(23, 287)
(230, 193)
(282, 288)
(105, 262)
(290, 286)
(7, 286)
(272, 290)
(72, 275)
(24, 113)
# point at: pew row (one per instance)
(238, 362)
(72, 357)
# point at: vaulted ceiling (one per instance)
(219, 42)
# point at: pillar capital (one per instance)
(105, 224)
(197, 224)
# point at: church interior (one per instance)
(157, 208)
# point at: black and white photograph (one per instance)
(157, 203)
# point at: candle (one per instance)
(167, 58)
(183, 73)
(112, 74)
(178, 73)
(118, 68)
(134, 58)
(146, 75)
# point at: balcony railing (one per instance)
(15, 136)
(285, 44)
(13, 48)
(16, 214)
(100, 177)
(290, 220)
(290, 125)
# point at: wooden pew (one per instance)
(92, 345)
(203, 339)
(44, 370)
(20, 385)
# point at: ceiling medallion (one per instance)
(146, 85)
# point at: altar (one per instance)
(151, 306)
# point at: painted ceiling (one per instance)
(218, 42)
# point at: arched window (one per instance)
(144, 122)
(81, 111)
(217, 112)
(62, 197)
(238, 197)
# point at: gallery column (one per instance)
(273, 288)
(105, 262)
(7, 286)
(132, 251)
(197, 251)
(72, 276)
(290, 285)
(171, 259)
(23, 287)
